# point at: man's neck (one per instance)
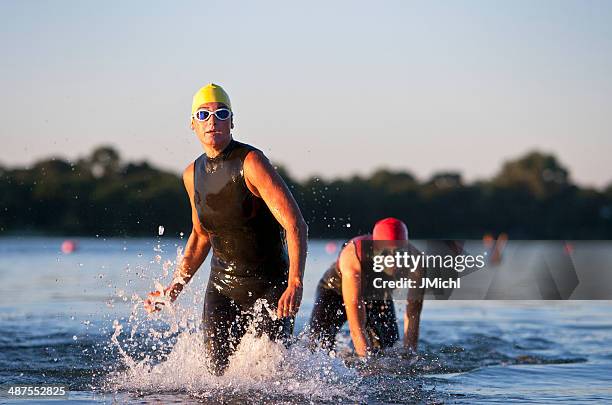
(212, 151)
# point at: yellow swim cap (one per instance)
(208, 94)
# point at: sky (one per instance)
(324, 88)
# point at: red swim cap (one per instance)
(390, 229)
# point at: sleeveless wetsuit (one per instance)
(249, 256)
(329, 315)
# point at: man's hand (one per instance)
(289, 302)
(156, 299)
(154, 302)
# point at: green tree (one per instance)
(541, 174)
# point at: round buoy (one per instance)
(69, 246)
(331, 247)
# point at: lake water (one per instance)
(77, 319)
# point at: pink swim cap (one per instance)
(390, 229)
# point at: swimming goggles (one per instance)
(221, 114)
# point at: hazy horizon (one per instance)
(323, 89)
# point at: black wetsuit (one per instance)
(329, 315)
(249, 259)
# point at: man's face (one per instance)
(213, 132)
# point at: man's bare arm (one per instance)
(412, 317)
(414, 306)
(196, 250)
(265, 182)
(415, 296)
(353, 298)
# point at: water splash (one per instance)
(165, 353)
(259, 367)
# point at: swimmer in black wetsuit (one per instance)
(340, 297)
(242, 209)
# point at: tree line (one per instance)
(531, 197)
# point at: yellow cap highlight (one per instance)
(209, 94)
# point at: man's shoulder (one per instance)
(188, 172)
(355, 243)
(254, 161)
(360, 238)
(351, 252)
(188, 178)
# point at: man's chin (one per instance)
(215, 139)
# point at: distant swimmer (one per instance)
(495, 247)
(340, 297)
(241, 208)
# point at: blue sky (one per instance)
(325, 88)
